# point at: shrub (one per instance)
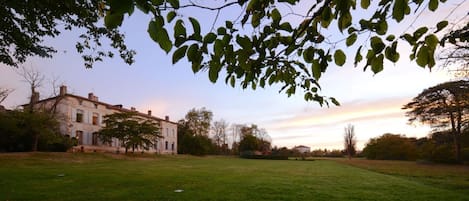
(390, 147)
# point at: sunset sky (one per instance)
(369, 102)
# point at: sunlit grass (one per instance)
(67, 176)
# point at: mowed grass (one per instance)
(69, 176)
(454, 177)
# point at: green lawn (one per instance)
(68, 176)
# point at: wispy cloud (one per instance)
(356, 111)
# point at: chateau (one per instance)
(82, 117)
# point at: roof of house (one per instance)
(109, 106)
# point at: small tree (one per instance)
(132, 130)
(349, 140)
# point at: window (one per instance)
(95, 118)
(173, 132)
(95, 138)
(172, 146)
(79, 117)
(166, 145)
(167, 132)
(79, 136)
(96, 106)
(156, 144)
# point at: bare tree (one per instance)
(35, 80)
(350, 140)
(219, 130)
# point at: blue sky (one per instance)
(370, 102)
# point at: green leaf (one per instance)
(229, 24)
(174, 3)
(112, 21)
(276, 17)
(232, 81)
(365, 4)
(308, 55)
(351, 39)
(399, 9)
(419, 32)
(179, 54)
(431, 41)
(335, 101)
(391, 54)
(192, 52)
(377, 44)
(286, 27)
(159, 35)
(316, 68)
(256, 19)
(213, 71)
(377, 64)
(221, 31)
(390, 38)
(326, 17)
(210, 37)
(171, 15)
(433, 5)
(410, 39)
(244, 42)
(382, 27)
(422, 56)
(179, 29)
(218, 47)
(195, 25)
(358, 56)
(345, 20)
(143, 5)
(441, 25)
(339, 57)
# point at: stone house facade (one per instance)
(82, 117)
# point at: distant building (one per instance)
(81, 118)
(302, 149)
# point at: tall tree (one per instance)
(276, 51)
(444, 106)
(131, 130)
(350, 140)
(199, 121)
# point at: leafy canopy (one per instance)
(260, 48)
(277, 51)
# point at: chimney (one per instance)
(132, 109)
(166, 118)
(92, 97)
(149, 112)
(63, 90)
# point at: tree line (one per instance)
(198, 135)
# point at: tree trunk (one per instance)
(457, 145)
